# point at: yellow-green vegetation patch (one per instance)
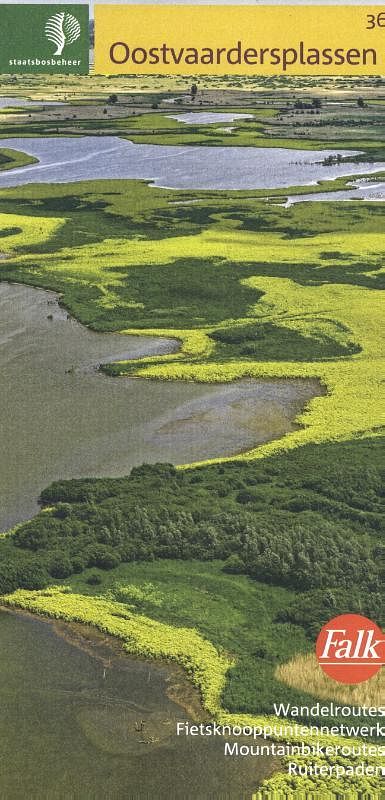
(355, 403)
(192, 272)
(9, 159)
(24, 231)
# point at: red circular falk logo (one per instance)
(350, 648)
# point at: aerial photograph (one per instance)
(192, 426)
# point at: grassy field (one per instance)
(10, 159)
(304, 672)
(270, 87)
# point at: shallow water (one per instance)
(60, 418)
(64, 159)
(19, 102)
(207, 117)
(363, 189)
(68, 732)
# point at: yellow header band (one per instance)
(239, 40)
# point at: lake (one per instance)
(207, 117)
(61, 418)
(20, 102)
(70, 702)
(63, 160)
(361, 189)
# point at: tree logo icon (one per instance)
(62, 29)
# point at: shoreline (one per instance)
(255, 413)
(203, 668)
(57, 297)
(105, 647)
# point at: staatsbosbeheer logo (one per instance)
(62, 29)
(351, 648)
(44, 38)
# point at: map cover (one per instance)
(192, 208)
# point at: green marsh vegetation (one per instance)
(250, 288)
(228, 569)
(283, 540)
(285, 126)
(10, 159)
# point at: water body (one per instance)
(61, 418)
(361, 189)
(68, 732)
(64, 160)
(20, 102)
(207, 117)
